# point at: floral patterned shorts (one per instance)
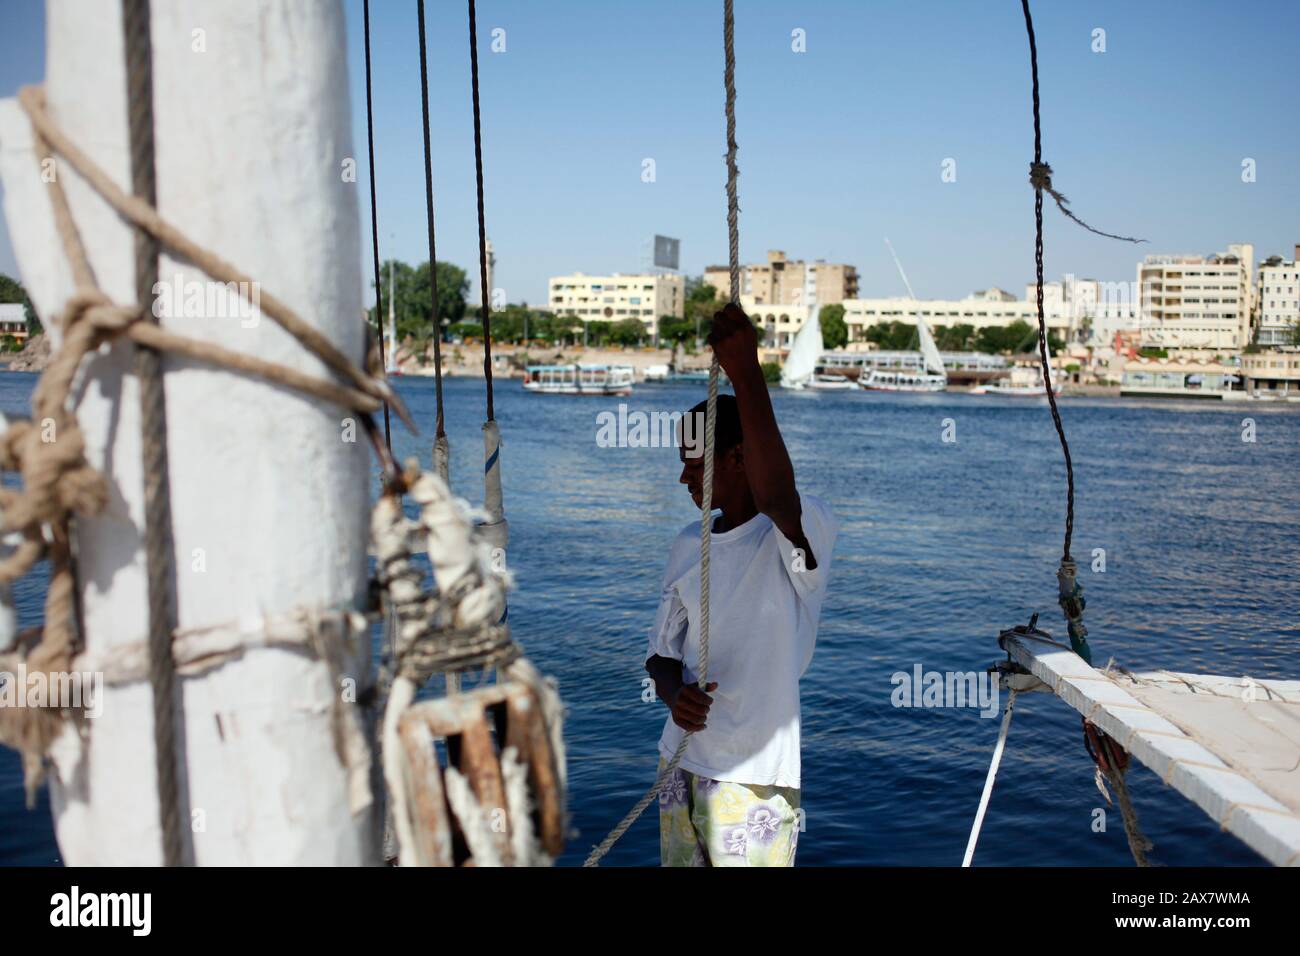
(705, 822)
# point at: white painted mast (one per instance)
(268, 487)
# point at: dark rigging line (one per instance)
(374, 223)
(1038, 262)
(485, 292)
(428, 198)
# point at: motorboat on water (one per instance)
(579, 379)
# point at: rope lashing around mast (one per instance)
(360, 390)
(58, 482)
(159, 546)
(710, 422)
(374, 220)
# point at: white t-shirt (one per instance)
(763, 611)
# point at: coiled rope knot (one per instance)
(49, 451)
(1040, 177)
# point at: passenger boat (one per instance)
(902, 380)
(579, 379)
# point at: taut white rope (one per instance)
(988, 781)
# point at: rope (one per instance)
(710, 420)
(1038, 264)
(1070, 593)
(486, 293)
(1114, 765)
(374, 219)
(365, 393)
(159, 547)
(988, 780)
(495, 530)
(440, 435)
(1040, 177)
(57, 480)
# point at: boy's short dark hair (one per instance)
(727, 432)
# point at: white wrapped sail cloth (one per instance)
(1230, 745)
(1252, 726)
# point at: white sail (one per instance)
(929, 351)
(804, 354)
(930, 356)
(269, 506)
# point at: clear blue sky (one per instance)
(839, 145)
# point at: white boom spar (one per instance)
(268, 487)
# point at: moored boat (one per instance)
(579, 379)
(891, 380)
(829, 382)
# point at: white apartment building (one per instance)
(1279, 299)
(1198, 306)
(617, 297)
(988, 308)
(780, 323)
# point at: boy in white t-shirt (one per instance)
(734, 799)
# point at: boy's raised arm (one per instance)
(767, 463)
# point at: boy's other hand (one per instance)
(690, 707)
(734, 341)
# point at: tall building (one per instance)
(618, 297)
(785, 281)
(1279, 300)
(1199, 306)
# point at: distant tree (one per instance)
(673, 329)
(892, 336)
(835, 334)
(466, 330)
(771, 372)
(702, 300)
(959, 338)
(627, 332)
(12, 291)
(558, 328)
(598, 333)
(1293, 338)
(411, 297)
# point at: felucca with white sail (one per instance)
(931, 376)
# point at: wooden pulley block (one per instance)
(492, 735)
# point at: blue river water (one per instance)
(942, 544)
